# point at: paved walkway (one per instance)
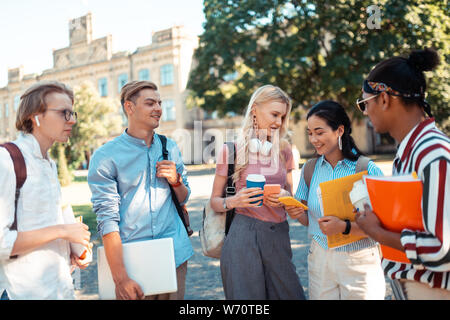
(203, 281)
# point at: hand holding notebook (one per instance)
(397, 203)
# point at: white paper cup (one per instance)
(359, 195)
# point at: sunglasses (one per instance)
(361, 103)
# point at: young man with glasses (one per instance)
(35, 255)
(394, 100)
(131, 196)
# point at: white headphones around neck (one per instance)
(255, 145)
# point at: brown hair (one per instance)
(130, 91)
(33, 102)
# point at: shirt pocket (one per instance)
(33, 210)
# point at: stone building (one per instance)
(166, 61)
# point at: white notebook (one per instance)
(151, 263)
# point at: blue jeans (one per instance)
(4, 296)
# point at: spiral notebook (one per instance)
(151, 263)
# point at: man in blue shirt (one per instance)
(129, 181)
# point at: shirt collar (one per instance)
(412, 135)
(347, 162)
(136, 141)
(31, 143)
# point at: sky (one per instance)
(30, 30)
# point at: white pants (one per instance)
(355, 275)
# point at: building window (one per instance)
(144, 74)
(167, 74)
(168, 110)
(103, 87)
(122, 80)
(6, 110)
(16, 102)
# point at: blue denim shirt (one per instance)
(128, 197)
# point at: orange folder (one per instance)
(336, 202)
(397, 203)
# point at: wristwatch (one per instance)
(348, 226)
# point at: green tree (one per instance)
(99, 119)
(313, 49)
(64, 175)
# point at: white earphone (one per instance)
(255, 145)
(37, 120)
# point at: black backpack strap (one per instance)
(20, 171)
(180, 210)
(308, 171)
(361, 164)
(230, 188)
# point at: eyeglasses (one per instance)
(67, 113)
(361, 104)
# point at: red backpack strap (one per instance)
(20, 171)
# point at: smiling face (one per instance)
(146, 111)
(322, 136)
(52, 123)
(270, 116)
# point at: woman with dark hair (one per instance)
(394, 99)
(352, 271)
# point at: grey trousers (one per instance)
(256, 262)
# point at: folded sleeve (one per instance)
(431, 248)
(175, 155)
(7, 195)
(289, 159)
(105, 197)
(373, 169)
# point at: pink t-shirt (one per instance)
(275, 173)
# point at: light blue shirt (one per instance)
(127, 196)
(323, 172)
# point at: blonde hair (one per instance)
(33, 102)
(266, 93)
(130, 91)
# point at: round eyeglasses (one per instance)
(67, 113)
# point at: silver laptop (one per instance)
(151, 263)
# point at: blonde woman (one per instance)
(256, 260)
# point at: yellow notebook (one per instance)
(336, 202)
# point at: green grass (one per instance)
(88, 215)
(80, 179)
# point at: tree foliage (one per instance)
(314, 50)
(98, 120)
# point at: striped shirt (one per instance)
(426, 150)
(323, 171)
